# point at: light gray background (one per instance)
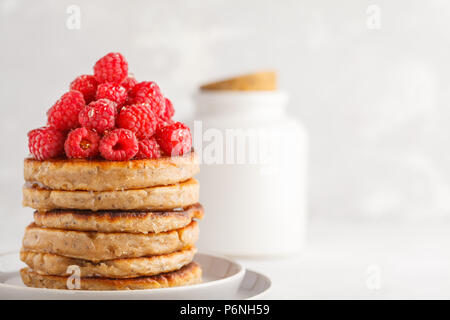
(375, 102)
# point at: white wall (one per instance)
(375, 102)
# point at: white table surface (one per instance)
(364, 260)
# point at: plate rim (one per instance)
(261, 275)
(239, 274)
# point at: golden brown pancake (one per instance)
(187, 275)
(98, 246)
(119, 221)
(52, 264)
(103, 175)
(156, 198)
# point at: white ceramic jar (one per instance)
(253, 173)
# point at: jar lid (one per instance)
(257, 81)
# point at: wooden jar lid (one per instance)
(258, 81)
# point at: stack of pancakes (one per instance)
(115, 225)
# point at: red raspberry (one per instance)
(138, 118)
(87, 85)
(111, 91)
(82, 143)
(46, 143)
(129, 83)
(98, 115)
(119, 145)
(174, 139)
(163, 123)
(169, 111)
(148, 92)
(148, 149)
(111, 68)
(63, 115)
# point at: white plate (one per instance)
(222, 279)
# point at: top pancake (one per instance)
(102, 175)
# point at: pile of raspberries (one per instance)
(110, 114)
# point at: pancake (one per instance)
(51, 264)
(155, 198)
(187, 275)
(119, 221)
(103, 175)
(98, 246)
